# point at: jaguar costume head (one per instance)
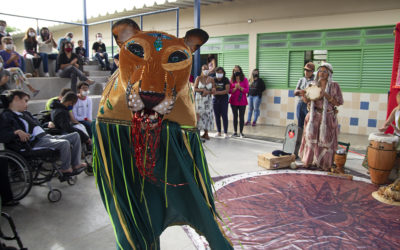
(154, 69)
(151, 84)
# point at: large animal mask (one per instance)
(154, 71)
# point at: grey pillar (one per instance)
(85, 29)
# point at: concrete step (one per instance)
(98, 73)
(35, 106)
(51, 86)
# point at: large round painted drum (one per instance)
(381, 155)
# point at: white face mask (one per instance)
(205, 72)
(219, 75)
(31, 34)
(85, 93)
(1, 65)
(99, 39)
(2, 28)
(9, 46)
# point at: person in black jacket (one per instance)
(60, 115)
(20, 130)
(256, 88)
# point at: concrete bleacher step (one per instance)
(35, 106)
(51, 86)
(98, 73)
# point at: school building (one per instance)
(278, 37)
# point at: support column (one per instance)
(85, 29)
(112, 40)
(196, 62)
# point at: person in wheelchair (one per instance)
(60, 116)
(20, 130)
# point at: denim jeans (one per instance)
(100, 59)
(254, 104)
(221, 111)
(45, 57)
(73, 73)
(301, 113)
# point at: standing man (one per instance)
(303, 83)
(100, 53)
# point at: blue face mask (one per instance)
(70, 107)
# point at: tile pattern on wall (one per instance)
(361, 113)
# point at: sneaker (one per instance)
(226, 135)
(46, 74)
(218, 134)
(247, 124)
(35, 93)
(90, 82)
(241, 135)
(235, 135)
(254, 124)
(28, 75)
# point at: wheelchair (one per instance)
(13, 230)
(33, 167)
(44, 118)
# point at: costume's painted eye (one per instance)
(136, 49)
(177, 56)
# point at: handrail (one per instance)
(42, 19)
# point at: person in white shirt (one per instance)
(46, 44)
(82, 110)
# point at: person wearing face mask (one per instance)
(13, 63)
(220, 101)
(46, 45)
(3, 31)
(257, 87)
(60, 116)
(82, 110)
(238, 89)
(204, 88)
(68, 67)
(67, 38)
(30, 52)
(100, 53)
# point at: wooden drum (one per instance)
(381, 155)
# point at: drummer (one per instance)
(394, 117)
(303, 83)
(320, 136)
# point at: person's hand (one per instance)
(51, 36)
(24, 137)
(302, 92)
(305, 99)
(213, 91)
(14, 56)
(383, 128)
(205, 93)
(51, 125)
(89, 141)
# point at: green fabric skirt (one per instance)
(141, 209)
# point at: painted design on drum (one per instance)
(299, 210)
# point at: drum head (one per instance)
(313, 92)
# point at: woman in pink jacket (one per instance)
(238, 100)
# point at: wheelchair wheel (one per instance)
(54, 195)
(72, 180)
(19, 174)
(89, 162)
(43, 173)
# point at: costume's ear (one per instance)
(195, 38)
(124, 29)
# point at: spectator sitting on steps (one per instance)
(13, 63)
(67, 66)
(46, 45)
(67, 38)
(30, 52)
(3, 31)
(82, 110)
(99, 51)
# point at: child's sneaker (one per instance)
(254, 124)
(247, 124)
